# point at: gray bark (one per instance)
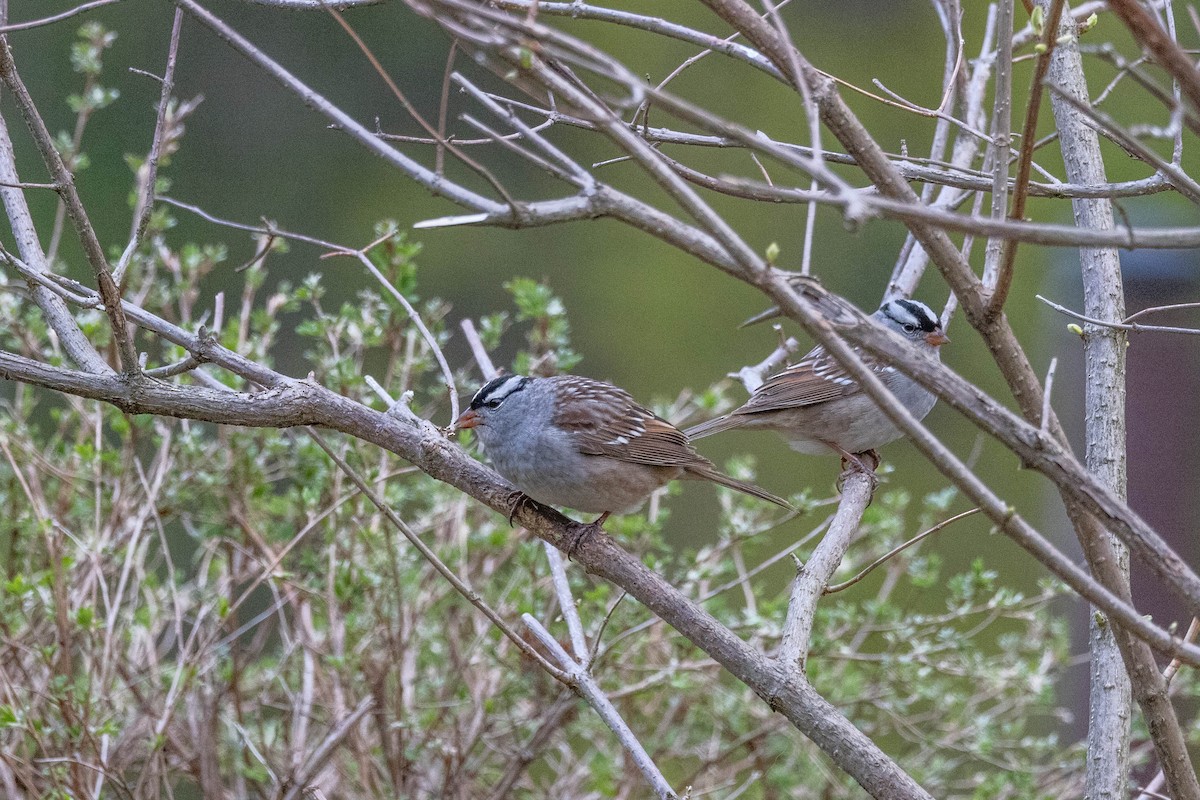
(1109, 702)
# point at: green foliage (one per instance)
(548, 337)
(257, 550)
(87, 55)
(199, 606)
(87, 59)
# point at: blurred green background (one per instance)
(644, 315)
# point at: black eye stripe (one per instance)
(921, 315)
(497, 390)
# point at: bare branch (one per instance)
(37, 23)
(586, 685)
(1173, 668)
(566, 604)
(1173, 173)
(315, 761)
(148, 173)
(811, 578)
(896, 551)
(1008, 250)
(423, 175)
(74, 205)
(54, 311)
(1002, 138)
(1169, 55)
(1133, 327)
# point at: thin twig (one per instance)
(1133, 327)
(478, 168)
(478, 350)
(586, 685)
(148, 172)
(1049, 387)
(1171, 669)
(752, 376)
(837, 587)
(413, 316)
(1008, 254)
(1157, 309)
(37, 23)
(1174, 174)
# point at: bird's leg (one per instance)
(865, 462)
(585, 532)
(516, 499)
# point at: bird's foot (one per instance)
(865, 463)
(583, 532)
(516, 499)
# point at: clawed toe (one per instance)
(865, 463)
(581, 533)
(516, 499)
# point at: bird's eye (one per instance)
(909, 328)
(492, 404)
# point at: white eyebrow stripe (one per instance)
(500, 391)
(911, 312)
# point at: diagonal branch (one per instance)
(1169, 55)
(290, 403)
(812, 577)
(74, 205)
(148, 172)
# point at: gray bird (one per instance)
(584, 444)
(817, 407)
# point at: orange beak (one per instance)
(468, 419)
(937, 338)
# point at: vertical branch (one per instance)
(1110, 703)
(566, 602)
(1002, 138)
(1006, 258)
(1104, 354)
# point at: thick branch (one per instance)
(289, 403)
(1115, 656)
(998, 335)
(1035, 448)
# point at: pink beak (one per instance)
(468, 419)
(937, 338)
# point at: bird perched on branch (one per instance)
(584, 444)
(817, 407)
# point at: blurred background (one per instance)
(643, 315)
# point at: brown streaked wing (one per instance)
(607, 421)
(817, 378)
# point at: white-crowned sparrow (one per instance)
(817, 407)
(584, 444)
